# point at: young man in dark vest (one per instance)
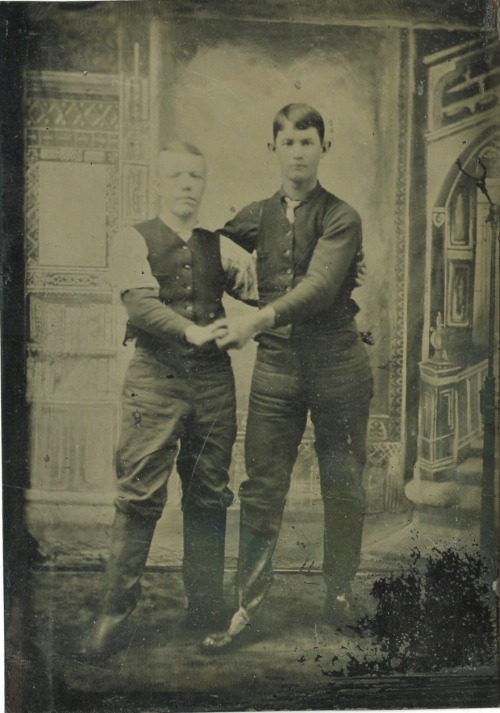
(179, 388)
(310, 359)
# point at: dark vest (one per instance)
(284, 252)
(191, 279)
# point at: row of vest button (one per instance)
(287, 253)
(189, 308)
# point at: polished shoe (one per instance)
(233, 636)
(106, 637)
(342, 610)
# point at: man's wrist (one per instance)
(189, 333)
(264, 319)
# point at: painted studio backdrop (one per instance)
(107, 87)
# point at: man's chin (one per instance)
(184, 211)
(298, 177)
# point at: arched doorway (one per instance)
(461, 248)
(448, 472)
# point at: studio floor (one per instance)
(291, 658)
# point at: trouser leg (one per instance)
(203, 466)
(254, 580)
(342, 543)
(203, 562)
(255, 571)
(154, 409)
(340, 446)
(339, 392)
(275, 425)
(156, 404)
(276, 422)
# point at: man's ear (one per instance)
(271, 147)
(325, 147)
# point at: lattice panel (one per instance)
(76, 113)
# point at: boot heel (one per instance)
(228, 640)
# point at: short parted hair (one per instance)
(181, 147)
(301, 116)
(177, 147)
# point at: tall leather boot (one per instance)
(343, 531)
(130, 543)
(254, 580)
(203, 564)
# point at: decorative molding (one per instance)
(63, 125)
(135, 105)
(112, 202)
(378, 428)
(61, 322)
(82, 378)
(135, 149)
(31, 208)
(135, 191)
(74, 139)
(72, 368)
(396, 384)
(438, 217)
(72, 446)
(102, 86)
(77, 114)
(459, 293)
(39, 278)
(491, 154)
(379, 454)
(464, 87)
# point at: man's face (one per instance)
(299, 152)
(181, 179)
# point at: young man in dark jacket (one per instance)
(310, 359)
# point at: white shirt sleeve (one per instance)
(129, 265)
(241, 274)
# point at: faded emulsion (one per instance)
(329, 535)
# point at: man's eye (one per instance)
(196, 175)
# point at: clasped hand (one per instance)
(227, 334)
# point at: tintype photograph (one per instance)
(250, 354)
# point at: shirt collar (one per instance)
(318, 188)
(182, 232)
